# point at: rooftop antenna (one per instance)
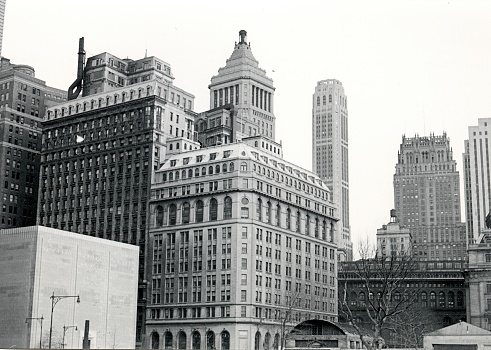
(145, 52)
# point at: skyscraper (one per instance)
(100, 151)
(330, 152)
(427, 197)
(23, 100)
(241, 240)
(477, 178)
(245, 86)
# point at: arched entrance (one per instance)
(225, 343)
(155, 340)
(168, 340)
(181, 340)
(196, 340)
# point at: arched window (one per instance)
(268, 212)
(362, 299)
(243, 166)
(267, 341)
(297, 229)
(196, 172)
(177, 175)
(318, 101)
(316, 229)
(159, 213)
(210, 340)
(259, 210)
(330, 98)
(155, 340)
(171, 176)
(451, 299)
(168, 340)
(172, 214)
(278, 215)
(288, 218)
(276, 343)
(424, 299)
(257, 340)
(181, 340)
(225, 340)
(324, 230)
(217, 169)
(307, 225)
(353, 299)
(190, 173)
(227, 208)
(224, 167)
(432, 299)
(196, 340)
(324, 100)
(183, 174)
(231, 166)
(199, 211)
(441, 299)
(213, 209)
(210, 170)
(203, 171)
(185, 212)
(164, 177)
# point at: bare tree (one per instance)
(384, 282)
(287, 315)
(408, 328)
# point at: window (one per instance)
(160, 216)
(172, 214)
(227, 208)
(199, 211)
(259, 210)
(213, 209)
(185, 213)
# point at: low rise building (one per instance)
(41, 266)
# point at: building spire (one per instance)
(243, 37)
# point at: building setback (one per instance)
(330, 151)
(237, 236)
(477, 178)
(100, 152)
(427, 198)
(39, 262)
(23, 101)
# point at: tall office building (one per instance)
(427, 197)
(477, 178)
(245, 86)
(330, 151)
(23, 100)
(241, 239)
(100, 151)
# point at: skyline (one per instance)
(411, 68)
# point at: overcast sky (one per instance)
(407, 67)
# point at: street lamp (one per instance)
(54, 300)
(65, 328)
(40, 319)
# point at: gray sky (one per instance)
(407, 67)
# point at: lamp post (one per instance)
(54, 300)
(40, 319)
(65, 328)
